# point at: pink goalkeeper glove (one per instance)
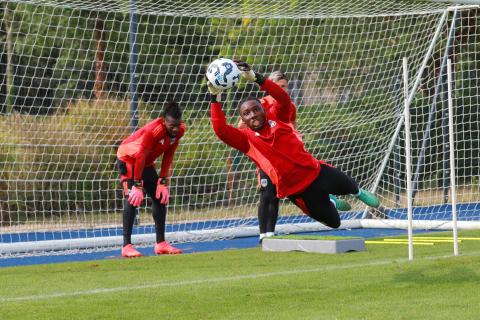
(162, 192)
(135, 196)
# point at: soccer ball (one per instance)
(223, 73)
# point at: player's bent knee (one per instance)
(327, 219)
(334, 224)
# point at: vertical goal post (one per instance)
(408, 158)
(451, 141)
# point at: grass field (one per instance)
(379, 283)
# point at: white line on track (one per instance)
(213, 280)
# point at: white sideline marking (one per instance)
(216, 280)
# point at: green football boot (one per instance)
(368, 198)
(340, 204)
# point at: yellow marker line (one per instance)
(399, 242)
(421, 240)
(448, 238)
(406, 241)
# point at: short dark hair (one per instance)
(172, 109)
(249, 98)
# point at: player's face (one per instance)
(172, 125)
(252, 114)
(283, 84)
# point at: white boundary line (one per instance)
(216, 280)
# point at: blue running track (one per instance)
(465, 212)
(238, 243)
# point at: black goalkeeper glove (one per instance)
(247, 73)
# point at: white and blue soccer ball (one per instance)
(223, 73)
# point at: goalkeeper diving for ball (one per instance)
(136, 156)
(273, 144)
(268, 205)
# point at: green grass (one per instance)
(379, 283)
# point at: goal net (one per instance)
(72, 71)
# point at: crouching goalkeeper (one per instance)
(272, 143)
(136, 156)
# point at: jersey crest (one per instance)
(264, 183)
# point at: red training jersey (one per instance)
(145, 145)
(276, 148)
(269, 102)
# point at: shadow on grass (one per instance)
(438, 275)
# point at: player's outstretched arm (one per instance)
(270, 87)
(282, 111)
(228, 134)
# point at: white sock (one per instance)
(333, 202)
(269, 234)
(262, 235)
(359, 193)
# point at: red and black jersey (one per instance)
(145, 145)
(276, 148)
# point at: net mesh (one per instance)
(65, 103)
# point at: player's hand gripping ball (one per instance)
(223, 74)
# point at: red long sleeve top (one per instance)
(145, 145)
(269, 102)
(276, 148)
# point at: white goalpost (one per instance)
(451, 141)
(78, 77)
(419, 155)
(408, 157)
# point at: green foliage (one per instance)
(351, 63)
(66, 162)
(48, 159)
